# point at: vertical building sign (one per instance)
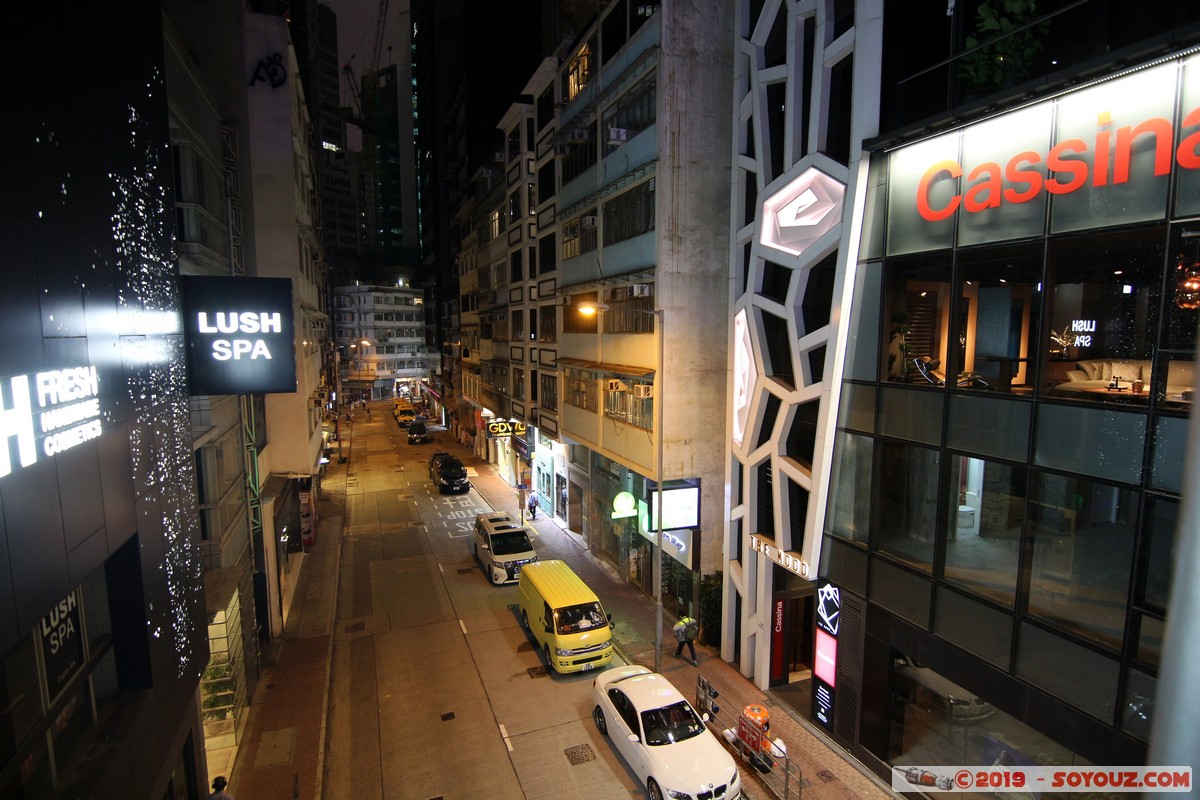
(777, 666)
(829, 607)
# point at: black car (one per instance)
(435, 459)
(418, 433)
(450, 476)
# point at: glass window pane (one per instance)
(900, 592)
(990, 425)
(1138, 708)
(917, 313)
(907, 486)
(908, 414)
(849, 512)
(862, 348)
(1081, 677)
(1082, 555)
(1094, 441)
(857, 408)
(1150, 639)
(1162, 518)
(845, 565)
(973, 626)
(996, 324)
(983, 543)
(1170, 445)
(1104, 292)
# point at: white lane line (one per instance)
(463, 625)
(507, 742)
(441, 570)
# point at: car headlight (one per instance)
(562, 652)
(678, 795)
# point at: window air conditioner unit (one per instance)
(616, 385)
(643, 391)
(486, 172)
(499, 157)
(561, 150)
(618, 135)
(580, 134)
(641, 290)
(589, 221)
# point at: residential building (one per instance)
(288, 245)
(380, 335)
(642, 132)
(207, 125)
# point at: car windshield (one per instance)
(453, 472)
(505, 543)
(583, 617)
(671, 724)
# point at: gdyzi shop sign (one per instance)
(240, 335)
(46, 413)
(1101, 155)
(505, 428)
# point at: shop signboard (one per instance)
(505, 428)
(240, 335)
(47, 413)
(829, 610)
(1101, 155)
(62, 644)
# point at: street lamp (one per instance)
(588, 309)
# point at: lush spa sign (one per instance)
(240, 335)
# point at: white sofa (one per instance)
(1097, 373)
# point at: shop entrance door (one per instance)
(791, 673)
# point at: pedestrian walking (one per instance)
(218, 793)
(532, 502)
(685, 633)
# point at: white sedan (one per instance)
(662, 738)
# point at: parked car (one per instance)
(502, 546)
(405, 416)
(418, 433)
(661, 737)
(434, 459)
(926, 688)
(450, 477)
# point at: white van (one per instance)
(502, 546)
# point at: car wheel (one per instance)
(475, 551)
(524, 620)
(601, 723)
(653, 790)
(546, 653)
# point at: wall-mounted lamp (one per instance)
(1187, 293)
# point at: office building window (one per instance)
(1083, 534)
(983, 539)
(907, 490)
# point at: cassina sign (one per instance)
(1118, 152)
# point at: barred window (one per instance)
(625, 403)
(580, 389)
(548, 324)
(518, 325)
(630, 309)
(635, 111)
(518, 384)
(581, 154)
(629, 214)
(580, 235)
(579, 72)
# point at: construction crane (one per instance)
(364, 106)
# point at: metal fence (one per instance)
(751, 742)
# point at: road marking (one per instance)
(441, 570)
(504, 735)
(463, 625)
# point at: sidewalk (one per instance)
(282, 753)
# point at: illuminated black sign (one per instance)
(240, 335)
(829, 621)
